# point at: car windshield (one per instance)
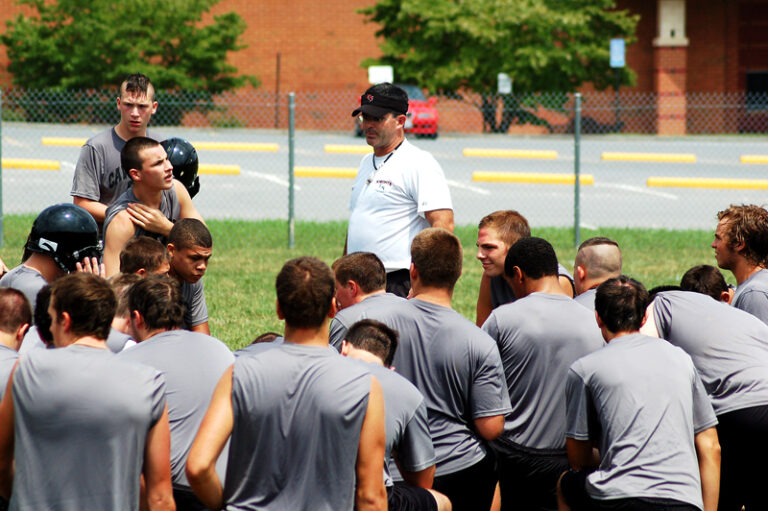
(413, 92)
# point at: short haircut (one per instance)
(374, 337)
(305, 288)
(437, 255)
(620, 303)
(704, 279)
(508, 224)
(748, 224)
(534, 256)
(266, 337)
(88, 300)
(189, 233)
(142, 252)
(159, 301)
(120, 284)
(138, 83)
(130, 156)
(42, 318)
(15, 310)
(599, 263)
(364, 268)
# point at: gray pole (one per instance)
(2, 230)
(291, 129)
(577, 170)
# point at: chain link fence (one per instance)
(646, 160)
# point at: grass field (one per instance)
(239, 283)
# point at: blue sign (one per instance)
(617, 53)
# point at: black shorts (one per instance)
(527, 479)
(399, 282)
(403, 497)
(470, 489)
(187, 501)
(574, 490)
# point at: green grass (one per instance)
(247, 256)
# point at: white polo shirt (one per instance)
(388, 204)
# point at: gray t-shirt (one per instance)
(642, 400)
(26, 280)
(8, 358)
(502, 293)
(82, 416)
(729, 347)
(368, 308)
(194, 298)
(539, 337)
(117, 341)
(169, 206)
(587, 298)
(98, 175)
(192, 364)
(301, 410)
(457, 368)
(408, 435)
(752, 295)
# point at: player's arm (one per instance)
(370, 494)
(484, 303)
(119, 231)
(6, 440)
(489, 427)
(3, 268)
(440, 218)
(201, 328)
(209, 442)
(708, 452)
(188, 209)
(97, 210)
(157, 466)
(581, 453)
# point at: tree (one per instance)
(449, 46)
(93, 44)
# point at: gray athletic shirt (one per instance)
(642, 400)
(587, 298)
(98, 174)
(26, 280)
(752, 295)
(81, 421)
(8, 358)
(502, 293)
(192, 364)
(368, 308)
(406, 422)
(729, 347)
(457, 368)
(169, 206)
(194, 298)
(539, 337)
(300, 409)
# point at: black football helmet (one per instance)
(67, 233)
(183, 157)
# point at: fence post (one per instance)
(577, 169)
(2, 229)
(291, 130)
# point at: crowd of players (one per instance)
(573, 390)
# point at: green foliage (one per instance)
(545, 46)
(86, 44)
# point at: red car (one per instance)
(422, 114)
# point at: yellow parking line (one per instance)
(664, 157)
(333, 172)
(26, 163)
(65, 141)
(704, 182)
(754, 158)
(229, 170)
(348, 149)
(236, 146)
(532, 177)
(510, 153)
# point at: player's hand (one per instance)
(91, 265)
(3, 268)
(149, 218)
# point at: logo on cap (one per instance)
(369, 97)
